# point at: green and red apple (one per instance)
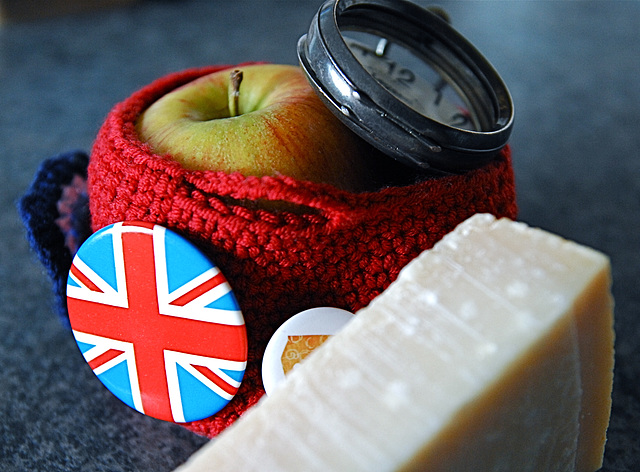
(260, 120)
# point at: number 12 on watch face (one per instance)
(424, 90)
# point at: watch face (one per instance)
(418, 82)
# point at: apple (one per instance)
(260, 120)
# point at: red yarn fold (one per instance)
(342, 250)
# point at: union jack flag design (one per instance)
(157, 322)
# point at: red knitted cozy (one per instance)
(343, 251)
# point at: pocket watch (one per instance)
(406, 81)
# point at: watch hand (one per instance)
(381, 47)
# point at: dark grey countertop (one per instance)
(572, 67)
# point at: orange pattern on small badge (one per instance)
(299, 347)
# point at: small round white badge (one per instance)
(298, 337)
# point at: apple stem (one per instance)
(235, 79)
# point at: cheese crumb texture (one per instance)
(493, 351)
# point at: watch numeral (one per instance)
(405, 76)
(401, 75)
(460, 119)
(438, 88)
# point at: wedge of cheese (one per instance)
(491, 352)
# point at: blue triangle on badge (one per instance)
(236, 375)
(177, 250)
(198, 400)
(84, 347)
(100, 256)
(226, 302)
(116, 379)
(72, 282)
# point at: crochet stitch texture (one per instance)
(342, 249)
(55, 214)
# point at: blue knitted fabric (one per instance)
(55, 213)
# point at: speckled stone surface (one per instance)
(572, 68)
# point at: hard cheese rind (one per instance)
(492, 351)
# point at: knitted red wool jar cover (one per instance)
(342, 252)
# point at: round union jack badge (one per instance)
(157, 322)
